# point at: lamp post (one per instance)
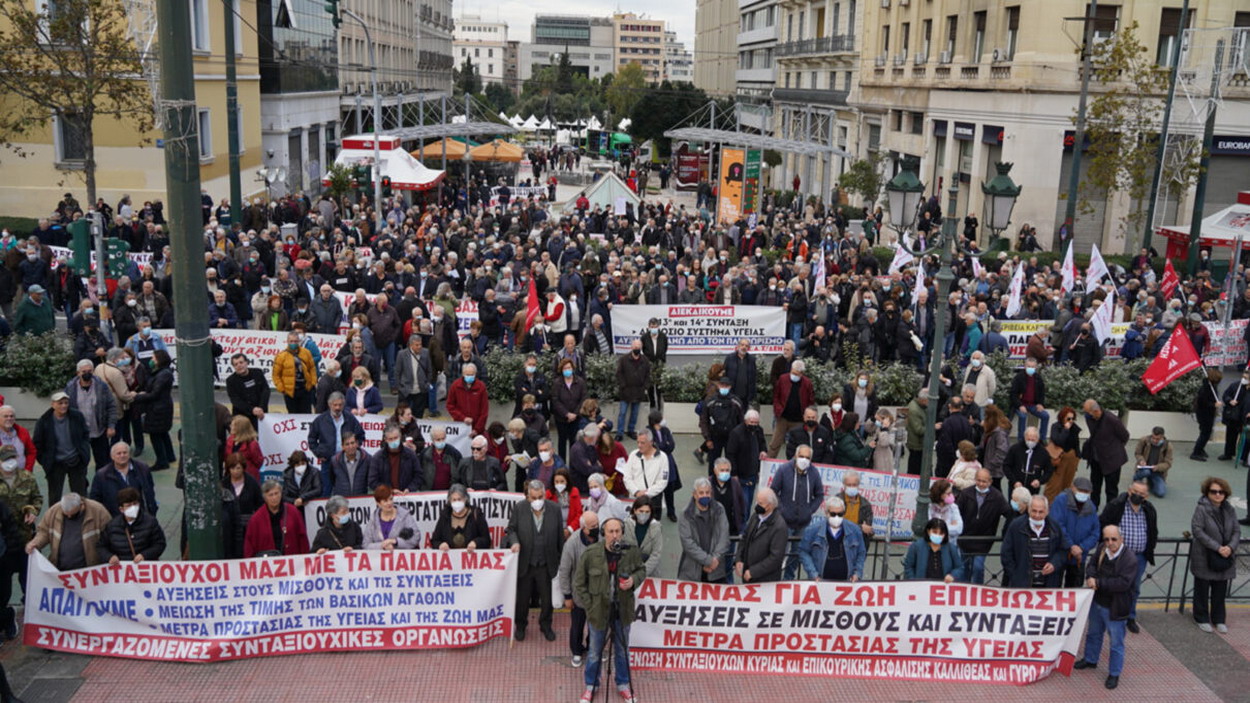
(377, 121)
(1000, 199)
(903, 193)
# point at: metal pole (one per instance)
(232, 117)
(1078, 138)
(1163, 134)
(421, 123)
(443, 102)
(195, 362)
(377, 123)
(101, 261)
(1208, 135)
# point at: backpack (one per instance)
(721, 415)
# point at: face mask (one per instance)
(300, 469)
(835, 521)
(1030, 370)
(802, 463)
(772, 287)
(537, 504)
(593, 533)
(131, 511)
(359, 382)
(146, 331)
(852, 491)
(595, 492)
(457, 506)
(983, 491)
(356, 325)
(9, 465)
(561, 487)
(949, 499)
(705, 501)
(794, 378)
(636, 352)
(723, 476)
(1136, 499)
(439, 445)
(1036, 524)
(469, 379)
(1081, 497)
(531, 369)
(123, 362)
(976, 363)
(568, 373)
(836, 407)
(863, 383)
(1030, 443)
(759, 509)
(342, 519)
(723, 391)
(1158, 443)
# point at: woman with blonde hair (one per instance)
(964, 471)
(244, 441)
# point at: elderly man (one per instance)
(792, 393)
(479, 471)
(295, 374)
(543, 468)
(763, 546)
(646, 473)
(633, 377)
(415, 373)
(584, 458)
(1027, 463)
(745, 446)
(17, 437)
(1109, 572)
(221, 314)
(437, 461)
(328, 385)
(468, 400)
(349, 469)
(832, 548)
(982, 377)
(1034, 548)
(571, 554)
(34, 314)
(72, 527)
(1104, 450)
(800, 491)
(981, 506)
(325, 438)
(396, 466)
(858, 509)
(703, 529)
(814, 435)
(63, 447)
(536, 532)
(1028, 397)
(1138, 523)
(1154, 458)
(607, 576)
(121, 473)
(99, 408)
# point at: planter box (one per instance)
(27, 406)
(1180, 427)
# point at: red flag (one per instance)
(1170, 280)
(533, 310)
(1176, 359)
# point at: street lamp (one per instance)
(903, 194)
(1000, 198)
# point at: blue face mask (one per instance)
(392, 444)
(723, 477)
(863, 383)
(568, 373)
(936, 539)
(468, 380)
(342, 519)
(440, 445)
(705, 501)
(723, 391)
(531, 369)
(123, 362)
(794, 378)
(1030, 370)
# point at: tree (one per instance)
(468, 79)
(1122, 122)
(626, 89)
(72, 60)
(659, 108)
(564, 73)
(864, 177)
(500, 98)
(339, 177)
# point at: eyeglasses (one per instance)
(1217, 492)
(837, 514)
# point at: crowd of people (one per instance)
(586, 491)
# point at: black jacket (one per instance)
(1017, 389)
(144, 535)
(248, 392)
(1039, 466)
(45, 438)
(1018, 560)
(1114, 512)
(820, 439)
(334, 538)
(981, 521)
(550, 540)
(743, 451)
(1114, 580)
(762, 550)
(475, 529)
(158, 402)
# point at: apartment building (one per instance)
(483, 43)
(589, 41)
(639, 40)
(678, 63)
(716, 25)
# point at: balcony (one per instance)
(836, 98)
(839, 43)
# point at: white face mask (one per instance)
(1030, 443)
(802, 463)
(9, 465)
(457, 506)
(835, 521)
(1036, 524)
(537, 504)
(595, 492)
(561, 487)
(131, 512)
(837, 407)
(300, 469)
(544, 456)
(852, 491)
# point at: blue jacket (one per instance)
(1078, 521)
(358, 485)
(321, 439)
(1018, 561)
(411, 477)
(108, 481)
(798, 497)
(917, 560)
(814, 547)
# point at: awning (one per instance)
(497, 150)
(405, 172)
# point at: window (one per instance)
(906, 37)
(790, 28)
(1013, 30)
(898, 120)
(205, 124)
(833, 80)
(917, 123)
(477, 53)
(846, 81)
(874, 137)
(1238, 53)
(952, 26)
(71, 138)
(850, 19)
(1106, 19)
(490, 53)
(926, 37)
(770, 16)
(978, 36)
(802, 15)
(1169, 35)
(837, 10)
(885, 40)
(199, 26)
(490, 69)
(819, 22)
(787, 79)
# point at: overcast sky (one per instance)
(519, 14)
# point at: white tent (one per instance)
(530, 124)
(605, 192)
(545, 125)
(503, 115)
(594, 123)
(516, 121)
(624, 124)
(458, 119)
(405, 172)
(1218, 230)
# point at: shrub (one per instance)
(40, 364)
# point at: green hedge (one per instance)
(19, 226)
(40, 364)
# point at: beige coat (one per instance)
(116, 381)
(49, 530)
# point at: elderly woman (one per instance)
(340, 533)
(272, 318)
(363, 397)
(601, 501)
(132, 535)
(565, 494)
(934, 557)
(1213, 556)
(247, 500)
(275, 529)
(942, 507)
(648, 534)
(390, 526)
(299, 483)
(460, 525)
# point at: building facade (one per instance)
(678, 63)
(512, 66)
(716, 46)
(756, 73)
(483, 43)
(639, 40)
(589, 41)
(128, 162)
(962, 85)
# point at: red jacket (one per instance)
(251, 454)
(259, 535)
(24, 437)
(574, 522)
(781, 393)
(463, 401)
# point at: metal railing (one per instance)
(823, 45)
(1167, 581)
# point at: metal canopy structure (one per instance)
(457, 129)
(720, 126)
(441, 116)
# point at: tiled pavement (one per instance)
(537, 670)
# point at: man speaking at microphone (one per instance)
(607, 575)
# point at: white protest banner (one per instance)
(260, 346)
(141, 258)
(1227, 346)
(466, 312)
(703, 329)
(221, 610)
(496, 507)
(1018, 332)
(283, 433)
(877, 487)
(898, 630)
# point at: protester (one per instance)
(1154, 457)
(1212, 556)
(120, 473)
(536, 533)
(244, 491)
(1104, 450)
(606, 578)
(763, 547)
(132, 535)
(275, 529)
(72, 527)
(460, 525)
(1034, 548)
(1135, 517)
(832, 548)
(340, 532)
(858, 508)
(1109, 572)
(645, 533)
(703, 529)
(934, 557)
(1078, 520)
(62, 447)
(981, 506)
(570, 555)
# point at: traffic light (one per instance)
(332, 6)
(118, 261)
(361, 177)
(81, 246)
(386, 186)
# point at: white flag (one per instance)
(915, 294)
(1096, 270)
(1017, 288)
(976, 267)
(820, 269)
(902, 257)
(1101, 320)
(1069, 272)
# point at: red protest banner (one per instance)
(1177, 358)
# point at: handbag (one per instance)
(1218, 562)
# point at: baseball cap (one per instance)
(59, 395)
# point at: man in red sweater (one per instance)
(467, 400)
